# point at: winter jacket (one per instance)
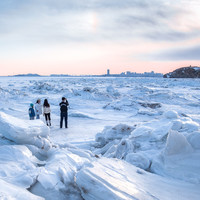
(46, 110)
(38, 109)
(63, 106)
(31, 112)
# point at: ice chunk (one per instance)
(12, 192)
(112, 91)
(20, 131)
(48, 179)
(17, 165)
(138, 159)
(179, 166)
(115, 179)
(177, 125)
(125, 146)
(171, 114)
(194, 139)
(60, 169)
(142, 132)
(112, 133)
(177, 144)
(190, 126)
(80, 115)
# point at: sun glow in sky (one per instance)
(88, 37)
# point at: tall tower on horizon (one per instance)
(108, 72)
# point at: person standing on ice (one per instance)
(64, 112)
(47, 112)
(31, 112)
(38, 109)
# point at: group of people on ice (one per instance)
(38, 109)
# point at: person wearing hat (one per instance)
(64, 112)
(31, 112)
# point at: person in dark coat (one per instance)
(64, 112)
(47, 112)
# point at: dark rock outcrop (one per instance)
(184, 72)
(150, 105)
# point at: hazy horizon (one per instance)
(79, 74)
(89, 37)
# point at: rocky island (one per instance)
(184, 72)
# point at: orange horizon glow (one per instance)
(99, 69)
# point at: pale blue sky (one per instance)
(89, 36)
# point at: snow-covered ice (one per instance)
(128, 138)
(114, 179)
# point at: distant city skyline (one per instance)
(108, 73)
(80, 37)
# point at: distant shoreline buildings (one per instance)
(134, 74)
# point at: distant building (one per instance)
(108, 72)
(128, 73)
